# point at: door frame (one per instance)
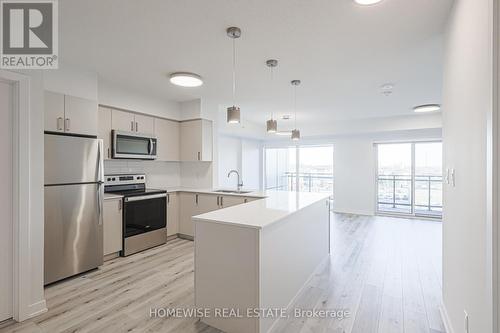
(21, 183)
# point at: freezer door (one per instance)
(71, 159)
(73, 230)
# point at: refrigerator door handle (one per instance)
(100, 180)
(100, 190)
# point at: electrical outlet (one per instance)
(466, 322)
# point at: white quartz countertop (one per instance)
(275, 206)
(247, 193)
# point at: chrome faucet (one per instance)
(240, 183)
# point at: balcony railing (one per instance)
(395, 194)
(307, 182)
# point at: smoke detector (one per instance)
(386, 89)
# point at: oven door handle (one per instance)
(146, 197)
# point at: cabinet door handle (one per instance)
(221, 201)
(168, 198)
(109, 156)
(132, 126)
(66, 124)
(218, 204)
(196, 199)
(199, 156)
(136, 126)
(59, 124)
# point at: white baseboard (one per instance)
(446, 320)
(37, 308)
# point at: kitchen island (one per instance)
(253, 259)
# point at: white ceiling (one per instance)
(341, 52)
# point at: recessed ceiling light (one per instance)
(427, 108)
(284, 133)
(185, 79)
(367, 2)
(286, 117)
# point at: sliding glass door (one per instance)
(395, 178)
(428, 179)
(302, 168)
(409, 178)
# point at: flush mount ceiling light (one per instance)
(185, 79)
(367, 2)
(427, 108)
(295, 131)
(233, 112)
(286, 117)
(272, 124)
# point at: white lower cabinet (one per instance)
(192, 204)
(112, 226)
(230, 200)
(188, 209)
(172, 213)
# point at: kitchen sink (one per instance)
(232, 192)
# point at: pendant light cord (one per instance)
(295, 104)
(272, 86)
(234, 71)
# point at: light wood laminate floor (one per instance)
(385, 271)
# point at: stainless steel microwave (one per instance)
(133, 145)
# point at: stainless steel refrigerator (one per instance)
(74, 188)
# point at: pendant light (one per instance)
(272, 124)
(295, 131)
(233, 112)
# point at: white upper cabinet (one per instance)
(144, 124)
(131, 122)
(168, 134)
(80, 115)
(70, 114)
(54, 112)
(122, 121)
(104, 130)
(196, 140)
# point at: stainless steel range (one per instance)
(144, 212)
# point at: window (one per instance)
(409, 178)
(306, 168)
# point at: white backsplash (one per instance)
(196, 174)
(165, 174)
(158, 174)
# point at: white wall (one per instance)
(251, 163)
(73, 81)
(229, 158)
(243, 155)
(354, 176)
(112, 94)
(467, 106)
